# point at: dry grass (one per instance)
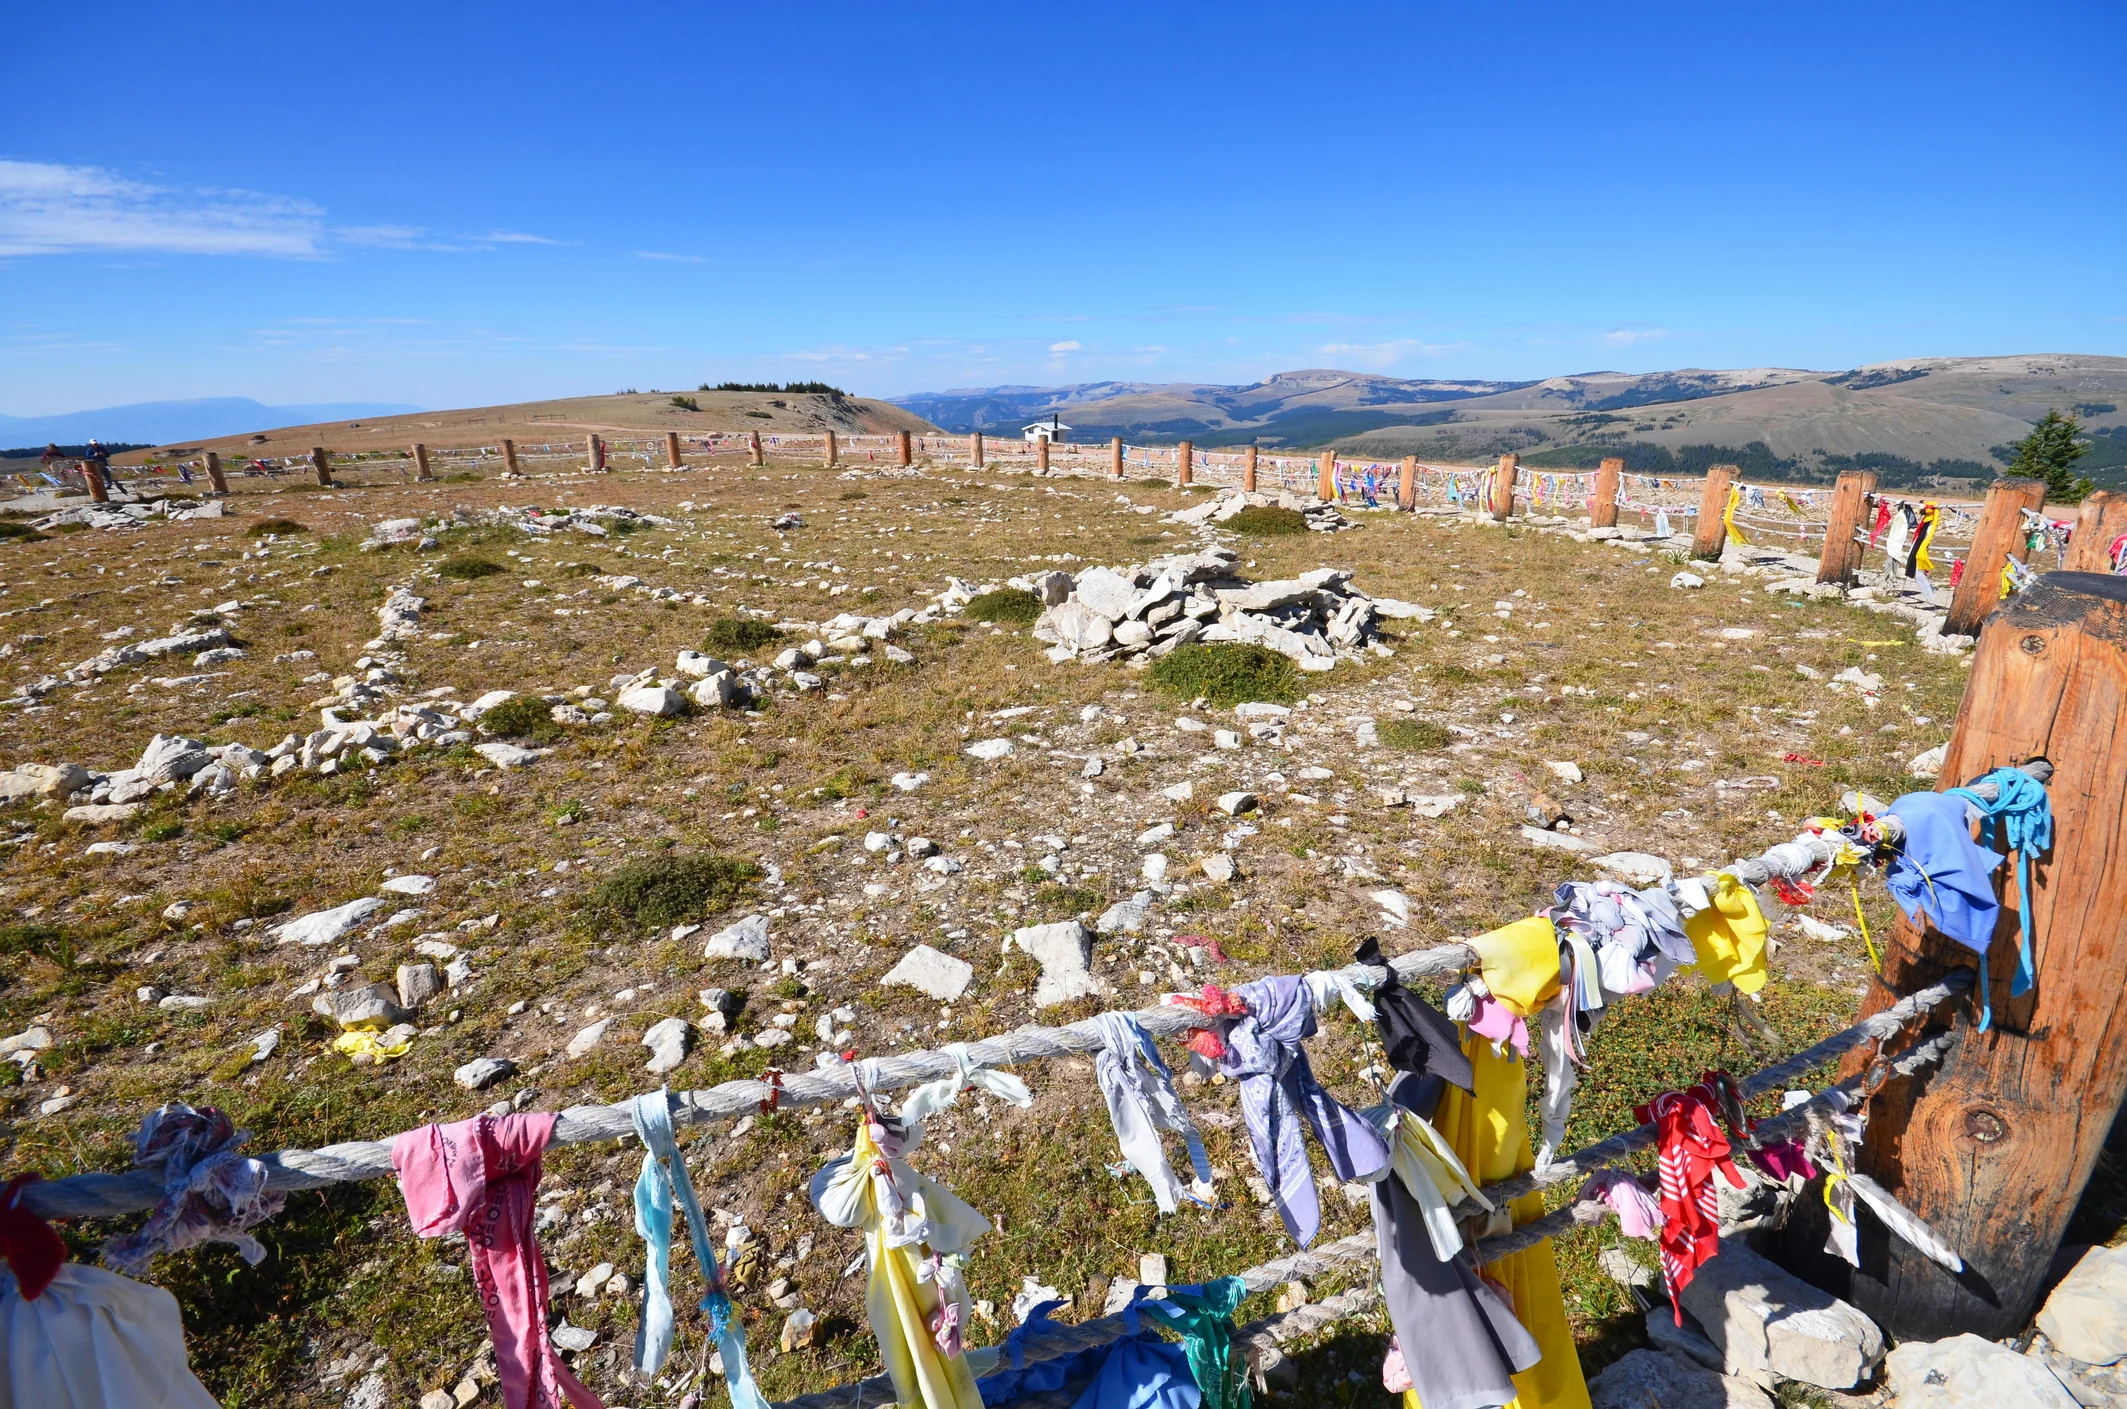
(1600, 663)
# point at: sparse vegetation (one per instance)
(1267, 521)
(740, 633)
(1414, 735)
(686, 403)
(525, 717)
(277, 527)
(1015, 605)
(663, 891)
(464, 567)
(1226, 673)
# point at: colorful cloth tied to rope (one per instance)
(1693, 1150)
(2020, 817)
(210, 1193)
(32, 1251)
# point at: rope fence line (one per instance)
(1057, 1340)
(97, 1195)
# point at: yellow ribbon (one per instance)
(1728, 515)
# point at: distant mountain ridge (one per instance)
(161, 422)
(1912, 421)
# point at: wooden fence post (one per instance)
(1326, 477)
(975, 449)
(2000, 535)
(93, 478)
(421, 473)
(1248, 470)
(830, 450)
(1041, 455)
(509, 456)
(908, 453)
(1850, 501)
(215, 476)
(1503, 486)
(753, 444)
(1407, 491)
(321, 461)
(672, 456)
(1711, 534)
(1115, 457)
(1994, 1146)
(1602, 509)
(2102, 518)
(1184, 464)
(595, 453)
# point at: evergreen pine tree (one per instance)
(2049, 453)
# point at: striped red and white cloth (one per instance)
(1693, 1148)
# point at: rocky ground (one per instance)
(351, 810)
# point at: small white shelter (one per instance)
(1052, 430)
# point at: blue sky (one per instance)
(461, 204)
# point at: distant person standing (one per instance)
(51, 456)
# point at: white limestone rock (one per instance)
(2086, 1316)
(669, 1042)
(1764, 1318)
(931, 972)
(747, 939)
(1643, 1378)
(1966, 1372)
(325, 926)
(1065, 951)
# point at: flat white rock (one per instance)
(325, 926)
(989, 750)
(504, 755)
(1966, 1372)
(589, 1037)
(1064, 950)
(933, 973)
(408, 885)
(748, 939)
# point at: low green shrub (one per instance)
(1015, 605)
(1226, 673)
(1415, 735)
(1267, 521)
(657, 893)
(525, 717)
(276, 526)
(735, 633)
(466, 568)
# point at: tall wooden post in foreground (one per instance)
(93, 479)
(1115, 457)
(2000, 536)
(2102, 518)
(672, 456)
(1503, 485)
(830, 462)
(322, 463)
(974, 449)
(215, 476)
(908, 450)
(1041, 455)
(1850, 501)
(1407, 491)
(1326, 477)
(421, 473)
(754, 447)
(1184, 464)
(1994, 1146)
(1248, 470)
(595, 453)
(1711, 534)
(509, 456)
(1602, 509)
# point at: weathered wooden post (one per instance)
(974, 449)
(595, 453)
(753, 444)
(421, 473)
(1248, 470)
(1602, 509)
(1841, 558)
(509, 456)
(1993, 1147)
(673, 459)
(1407, 491)
(2102, 518)
(322, 463)
(908, 452)
(830, 450)
(1326, 476)
(1041, 454)
(215, 476)
(1184, 465)
(1115, 457)
(1503, 486)
(1711, 534)
(93, 478)
(1999, 536)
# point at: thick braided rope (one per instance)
(1058, 1339)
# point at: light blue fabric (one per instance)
(1143, 1372)
(1942, 874)
(2022, 816)
(662, 1183)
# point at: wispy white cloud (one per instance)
(1380, 356)
(1626, 337)
(1068, 345)
(513, 237)
(669, 258)
(50, 208)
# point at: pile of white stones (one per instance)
(1322, 517)
(1140, 613)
